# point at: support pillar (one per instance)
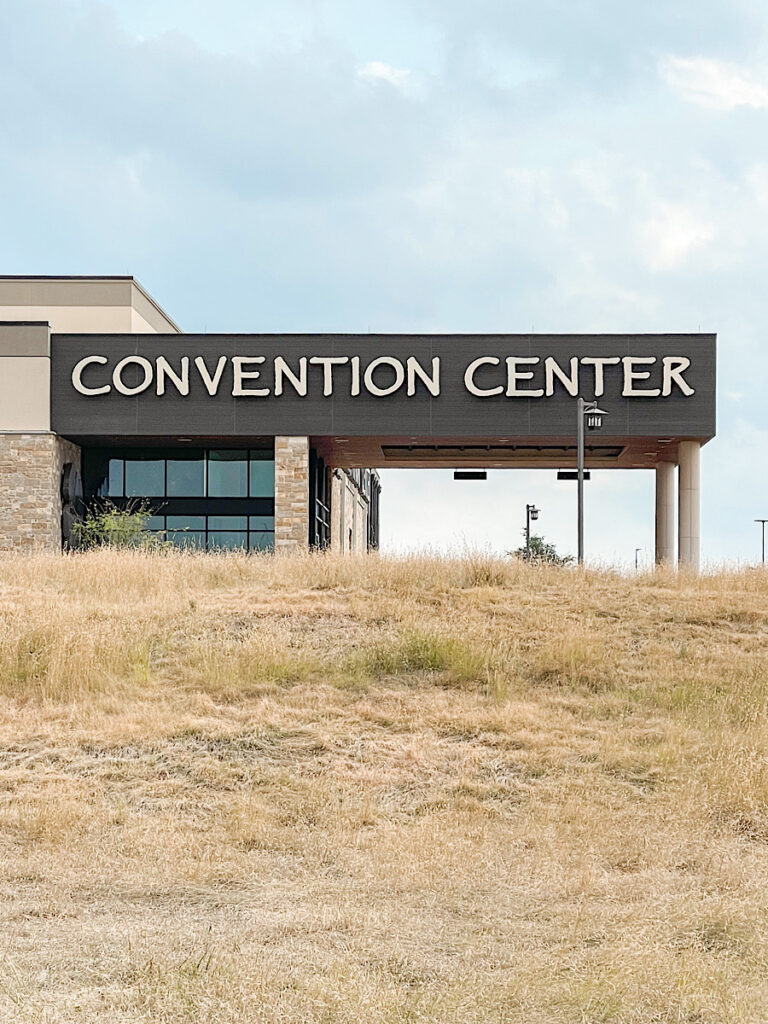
(689, 486)
(665, 513)
(291, 494)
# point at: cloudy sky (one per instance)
(418, 165)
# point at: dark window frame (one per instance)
(206, 505)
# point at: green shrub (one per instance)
(108, 526)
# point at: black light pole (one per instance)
(763, 521)
(590, 412)
(637, 552)
(531, 514)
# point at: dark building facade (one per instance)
(266, 442)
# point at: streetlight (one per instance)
(593, 414)
(637, 552)
(531, 515)
(763, 521)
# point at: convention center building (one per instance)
(273, 441)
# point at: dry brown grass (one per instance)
(323, 790)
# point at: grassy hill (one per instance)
(299, 790)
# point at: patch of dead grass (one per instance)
(321, 789)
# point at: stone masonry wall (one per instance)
(30, 490)
(291, 493)
(349, 515)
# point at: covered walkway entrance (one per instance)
(675, 462)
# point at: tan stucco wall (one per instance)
(82, 319)
(349, 516)
(139, 325)
(25, 393)
(359, 521)
(84, 305)
(25, 377)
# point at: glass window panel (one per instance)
(227, 541)
(144, 478)
(262, 541)
(186, 478)
(186, 522)
(187, 538)
(262, 473)
(156, 523)
(227, 522)
(227, 474)
(261, 522)
(115, 478)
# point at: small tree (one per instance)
(541, 551)
(108, 526)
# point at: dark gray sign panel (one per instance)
(380, 385)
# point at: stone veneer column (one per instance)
(291, 494)
(30, 489)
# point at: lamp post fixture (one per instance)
(531, 515)
(763, 522)
(593, 414)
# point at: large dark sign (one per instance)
(380, 385)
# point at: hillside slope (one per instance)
(311, 789)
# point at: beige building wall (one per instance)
(82, 319)
(337, 490)
(349, 516)
(31, 456)
(359, 522)
(84, 305)
(25, 377)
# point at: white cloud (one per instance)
(713, 83)
(525, 174)
(378, 71)
(671, 234)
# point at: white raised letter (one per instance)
(570, 381)
(469, 377)
(211, 382)
(672, 370)
(327, 363)
(631, 375)
(179, 381)
(599, 362)
(282, 369)
(77, 376)
(238, 362)
(415, 369)
(117, 375)
(396, 365)
(355, 386)
(514, 375)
